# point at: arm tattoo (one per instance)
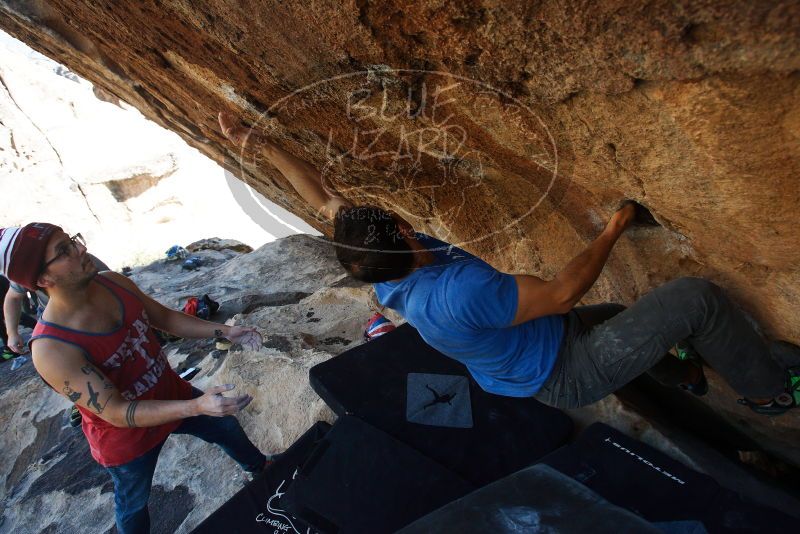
(131, 413)
(71, 394)
(92, 402)
(217, 333)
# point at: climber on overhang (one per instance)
(96, 346)
(522, 336)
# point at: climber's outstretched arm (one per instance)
(538, 297)
(305, 179)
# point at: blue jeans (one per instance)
(133, 480)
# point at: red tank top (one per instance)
(132, 359)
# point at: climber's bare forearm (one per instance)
(582, 272)
(304, 177)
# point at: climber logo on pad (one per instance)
(426, 141)
(438, 400)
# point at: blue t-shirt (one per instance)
(463, 308)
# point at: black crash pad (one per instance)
(639, 478)
(361, 480)
(258, 507)
(535, 499)
(371, 382)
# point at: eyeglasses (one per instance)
(67, 248)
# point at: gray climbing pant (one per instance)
(606, 346)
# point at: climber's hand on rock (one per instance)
(623, 217)
(233, 130)
(247, 336)
(215, 404)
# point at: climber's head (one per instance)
(372, 244)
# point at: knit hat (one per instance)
(22, 252)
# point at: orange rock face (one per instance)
(513, 128)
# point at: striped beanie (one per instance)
(22, 252)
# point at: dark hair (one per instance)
(370, 245)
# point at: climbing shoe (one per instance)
(377, 326)
(793, 384)
(685, 352)
(700, 387)
(782, 403)
(777, 406)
